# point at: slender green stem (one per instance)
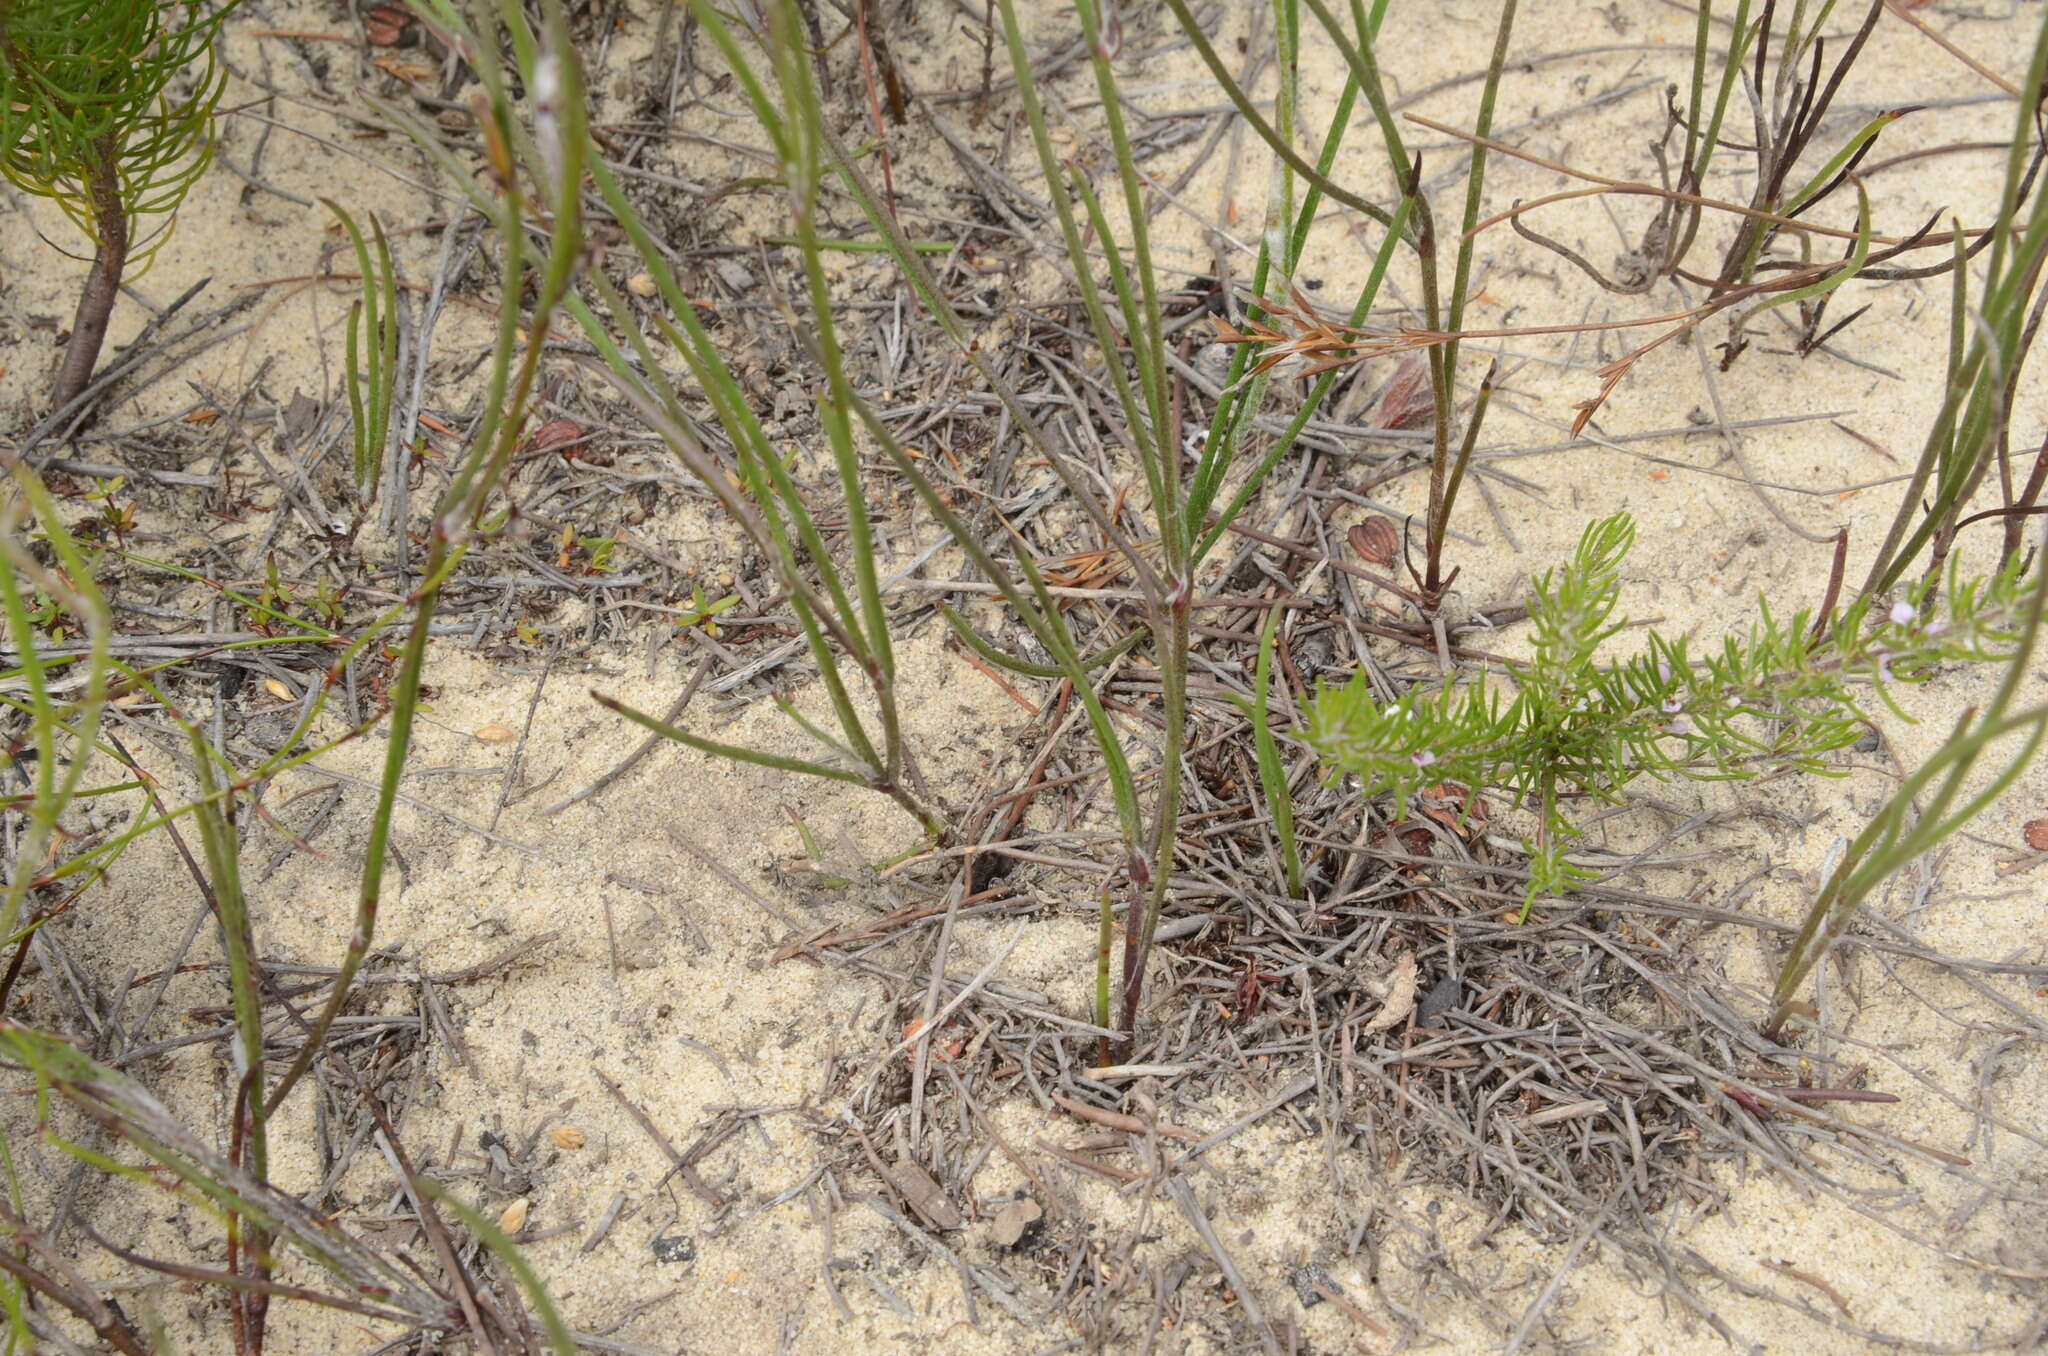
(559, 1338)
(1140, 933)
(1148, 346)
(1141, 410)
(1475, 184)
(248, 1243)
(1367, 295)
(1105, 935)
(1257, 121)
(974, 641)
(1701, 144)
(371, 355)
(1272, 772)
(1244, 389)
(737, 753)
(1962, 442)
(1473, 423)
(514, 370)
(59, 742)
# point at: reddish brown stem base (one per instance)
(102, 285)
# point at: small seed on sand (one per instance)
(568, 1137)
(496, 734)
(641, 285)
(514, 1218)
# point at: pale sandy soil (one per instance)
(681, 1004)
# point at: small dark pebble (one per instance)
(675, 1248)
(1313, 655)
(1441, 998)
(1869, 742)
(1306, 1280)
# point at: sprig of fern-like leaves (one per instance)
(1572, 722)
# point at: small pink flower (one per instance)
(1672, 706)
(1903, 612)
(1679, 726)
(1422, 758)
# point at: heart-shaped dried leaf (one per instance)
(2036, 831)
(554, 433)
(385, 25)
(1376, 539)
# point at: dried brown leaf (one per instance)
(1408, 401)
(1376, 539)
(926, 1196)
(1013, 1221)
(1400, 995)
(385, 25)
(554, 433)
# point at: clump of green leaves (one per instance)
(1573, 723)
(372, 355)
(106, 109)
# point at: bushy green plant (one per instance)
(106, 109)
(1576, 723)
(840, 607)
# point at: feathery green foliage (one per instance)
(1576, 723)
(106, 109)
(89, 96)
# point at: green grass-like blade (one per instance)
(1272, 772)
